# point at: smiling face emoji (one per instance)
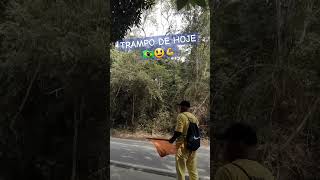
(159, 53)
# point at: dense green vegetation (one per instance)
(51, 53)
(125, 14)
(265, 70)
(144, 96)
(54, 82)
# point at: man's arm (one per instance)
(175, 136)
(178, 130)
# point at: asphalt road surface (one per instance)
(118, 173)
(143, 153)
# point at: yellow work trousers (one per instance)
(186, 158)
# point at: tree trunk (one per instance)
(132, 117)
(25, 98)
(278, 20)
(75, 142)
(83, 170)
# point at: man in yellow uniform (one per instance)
(240, 142)
(184, 157)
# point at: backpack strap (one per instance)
(184, 135)
(186, 116)
(242, 170)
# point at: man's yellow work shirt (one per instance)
(183, 124)
(255, 170)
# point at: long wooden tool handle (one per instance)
(158, 139)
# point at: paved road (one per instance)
(143, 153)
(129, 174)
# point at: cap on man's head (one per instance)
(240, 132)
(184, 103)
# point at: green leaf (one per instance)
(181, 4)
